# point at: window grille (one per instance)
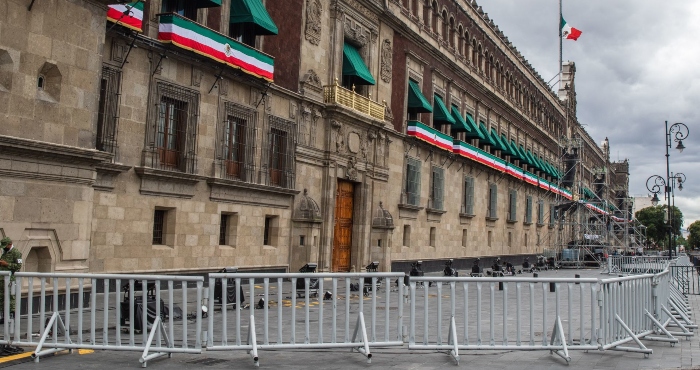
(175, 128)
(238, 143)
(552, 215)
(158, 224)
(267, 231)
(493, 201)
(436, 192)
(412, 189)
(468, 202)
(278, 153)
(108, 110)
(540, 212)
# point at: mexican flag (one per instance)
(127, 15)
(192, 36)
(569, 32)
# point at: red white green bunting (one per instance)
(192, 36)
(127, 15)
(429, 135)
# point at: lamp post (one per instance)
(655, 184)
(677, 132)
(680, 179)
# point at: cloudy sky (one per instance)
(636, 67)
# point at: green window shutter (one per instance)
(528, 211)
(512, 203)
(540, 212)
(551, 215)
(437, 191)
(469, 195)
(412, 182)
(493, 200)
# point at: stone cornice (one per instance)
(27, 148)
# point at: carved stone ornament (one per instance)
(223, 87)
(387, 56)
(314, 13)
(293, 110)
(310, 82)
(339, 139)
(351, 171)
(196, 76)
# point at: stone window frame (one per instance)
(281, 131)
(467, 206)
(492, 209)
(528, 210)
(247, 165)
(108, 110)
(411, 198)
(437, 188)
(512, 206)
(166, 223)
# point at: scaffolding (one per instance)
(592, 225)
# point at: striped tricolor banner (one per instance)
(430, 135)
(128, 15)
(204, 41)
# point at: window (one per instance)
(237, 149)
(493, 202)
(437, 188)
(433, 232)
(465, 238)
(175, 131)
(223, 229)
(540, 212)
(412, 188)
(158, 226)
(510, 239)
(249, 18)
(164, 226)
(488, 239)
(185, 8)
(355, 71)
(468, 200)
(278, 166)
(271, 231)
(528, 210)
(552, 215)
(512, 205)
(108, 110)
(406, 235)
(526, 241)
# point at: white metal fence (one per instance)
(637, 264)
(360, 311)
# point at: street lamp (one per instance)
(680, 179)
(678, 132)
(655, 184)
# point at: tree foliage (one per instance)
(657, 229)
(694, 237)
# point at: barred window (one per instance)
(158, 226)
(493, 202)
(238, 143)
(437, 188)
(512, 205)
(175, 131)
(223, 229)
(528, 210)
(278, 161)
(108, 110)
(468, 201)
(540, 212)
(412, 186)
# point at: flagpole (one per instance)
(560, 44)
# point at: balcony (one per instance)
(337, 94)
(187, 34)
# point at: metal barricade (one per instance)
(686, 279)
(474, 314)
(105, 312)
(335, 318)
(637, 264)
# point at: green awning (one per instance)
(588, 193)
(440, 112)
(207, 3)
(497, 139)
(547, 168)
(417, 103)
(460, 124)
(353, 65)
(523, 156)
(475, 133)
(508, 150)
(488, 140)
(533, 160)
(516, 152)
(254, 12)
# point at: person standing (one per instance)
(11, 260)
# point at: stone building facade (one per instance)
(170, 136)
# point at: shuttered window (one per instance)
(468, 201)
(528, 210)
(412, 187)
(540, 212)
(437, 189)
(512, 205)
(493, 201)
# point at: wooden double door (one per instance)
(342, 233)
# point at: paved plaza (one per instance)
(685, 355)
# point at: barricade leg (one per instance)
(642, 348)
(362, 330)
(687, 333)
(157, 326)
(452, 340)
(55, 318)
(252, 340)
(669, 336)
(559, 339)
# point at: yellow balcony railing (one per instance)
(339, 95)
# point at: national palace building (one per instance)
(188, 135)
